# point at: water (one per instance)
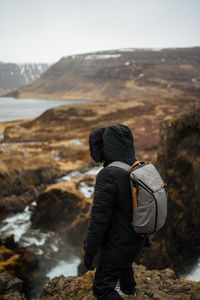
(47, 245)
(16, 224)
(64, 268)
(17, 109)
(19, 224)
(195, 273)
(77, 174)
(85, 189)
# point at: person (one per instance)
(110, 230)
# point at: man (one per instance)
(110, 231)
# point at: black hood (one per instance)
(118, 144)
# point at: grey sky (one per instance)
(46, 30)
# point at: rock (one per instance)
(67, 288)
(17, 261)
(11, 287)
(177, 244)
(18, 188)
(63, 209)
(9, 242)
(148, 287)
(18, 182)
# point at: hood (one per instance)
(118, 144)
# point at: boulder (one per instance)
(63, 209)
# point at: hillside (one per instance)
(14, 76)
(119, 74)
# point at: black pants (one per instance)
(105, 281)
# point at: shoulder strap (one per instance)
(137, 162)
(127, 168)
(121, 165)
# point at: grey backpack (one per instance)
(149, 196)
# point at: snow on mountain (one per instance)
(14, 76)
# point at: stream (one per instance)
(55, 258)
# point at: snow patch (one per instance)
(22, 69)
(127, 63)
(127, 49)
(155, 49)
(77, 142)
(101, 56)
(40, 68)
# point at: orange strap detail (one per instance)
(135, 203)
(135, 163)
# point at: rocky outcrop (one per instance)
(18, 187)
(19, 182)
(17, 261)
(63, 209)
(177, 245)
(157, 285)
(11, 287)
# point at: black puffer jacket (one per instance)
(110, 228)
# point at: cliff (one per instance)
(177, 245)
(118, 74)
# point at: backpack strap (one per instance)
(128, 168)
(134, 187)
(134, 193)
(137, 162)
(121, 165)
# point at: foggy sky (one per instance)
(46, 30)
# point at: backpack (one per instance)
(149, 195)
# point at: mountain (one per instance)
(119, 74)
(14, 76)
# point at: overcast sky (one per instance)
(46, 30)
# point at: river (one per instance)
(17, 109)
(55, 258)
